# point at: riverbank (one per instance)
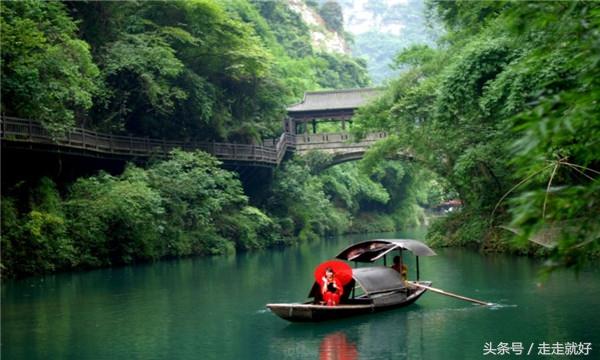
(465, 229)
(183, 206)
(188, 205)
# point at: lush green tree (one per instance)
(180, 206)
(195, 193)
(115, 220)
(352, 189)
(299, 65)
(199, 69)
(47, 72)
(557, 154)
(141, 70)
(250, 228)
(341, 72)
(314, 199)
(287, 27)
(183, 70)
(298, 199)
(34, 232)
(500, 111)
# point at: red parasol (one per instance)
(343, 271)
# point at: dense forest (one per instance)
(167, 69)
(506, 111)
(217, 70)
(503, 113)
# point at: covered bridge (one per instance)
(330, 105)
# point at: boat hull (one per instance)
(308, 312)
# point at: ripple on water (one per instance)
(498, 306)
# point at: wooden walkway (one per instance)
(84, 142)
(29, 134)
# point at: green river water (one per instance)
(214, 308)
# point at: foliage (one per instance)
(141, 70)
(250, 228)
(314, 200)
(286, 27)
(167, 76)
(367, 222)
(185, 70)
(561, 128)
(340, 72)
(298, 195)
(348, 186)
(201, 69)
(414, 55)
(34, 232)
(195, 192)
(115, 220)
(47, 72)
(502, 111)
(299, 65)
(177, 207)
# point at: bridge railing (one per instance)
(337, 138)
(321, 138)
(24, 130)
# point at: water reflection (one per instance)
(396, 334)
(336, 346)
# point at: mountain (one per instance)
(381, 28)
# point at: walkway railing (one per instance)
(23, 130)
(270, 153)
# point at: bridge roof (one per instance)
(335, 99)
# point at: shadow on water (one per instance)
(379, 335)
(406, 333)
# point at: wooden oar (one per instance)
(440, 291)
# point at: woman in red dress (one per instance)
(332, 289)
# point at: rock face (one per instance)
(322, 38)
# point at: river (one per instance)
(214, 308)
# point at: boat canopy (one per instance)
(372, 250)
(377, 279)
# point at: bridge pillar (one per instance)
(289, 125)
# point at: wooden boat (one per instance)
(372, 289)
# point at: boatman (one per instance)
(332, 289)
(401, 268)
